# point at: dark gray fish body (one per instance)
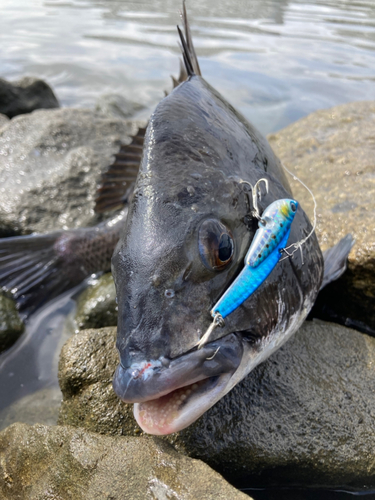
(197, 151)
(183, 243)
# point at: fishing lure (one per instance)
(274, 224)
(264, 253)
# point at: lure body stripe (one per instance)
(248, 281)
(276, 221)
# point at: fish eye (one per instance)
(293, 206)
(216, 245)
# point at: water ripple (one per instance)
(276, 60)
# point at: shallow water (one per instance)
(275, 60)
(29, 390)
(307, 494)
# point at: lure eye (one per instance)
(293, 206)
(216, 244)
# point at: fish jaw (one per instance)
(169, 395)
(180, 408)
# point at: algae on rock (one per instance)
(87, 364)
(11, 325)
(73, 464)
(38, 407)
(96, 305)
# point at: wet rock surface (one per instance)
(25, 95)
(117, 105)
(11, 325)
(305, 416)
(50, 166)
(3, 120)
(87, 364)
(96, 306)
(66, 463)
(333, 152)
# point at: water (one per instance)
(29, 390)
(275, 60)
(307, 494)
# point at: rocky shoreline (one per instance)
(305, 417)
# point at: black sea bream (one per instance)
(170, 266)
(183, 242)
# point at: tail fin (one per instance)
(39, 267)
(30, 270)
(335, 260)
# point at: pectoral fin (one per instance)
(118, 180)
(335, 260)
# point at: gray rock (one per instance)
(305, 416)
(3, 120)
(11, 326)
(50, 165)
(96, 306)
(117, 105)
(25, 95)
(333, 152)
(43, 462)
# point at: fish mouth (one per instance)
(169, 395)
(181, 407)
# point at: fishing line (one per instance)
(256, 271)
(299, 244)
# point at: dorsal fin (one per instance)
(187, 47)
(181, 77)
(118, 180)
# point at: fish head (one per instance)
(184, 242)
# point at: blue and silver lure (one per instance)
(264, 253)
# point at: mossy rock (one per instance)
(11, 325)
(96, 306)
(43, 462)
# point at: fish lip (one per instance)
(219, 357)
(186, 412)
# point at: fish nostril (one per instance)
(169, 293)
(155, 280)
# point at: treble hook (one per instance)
(256, 192)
